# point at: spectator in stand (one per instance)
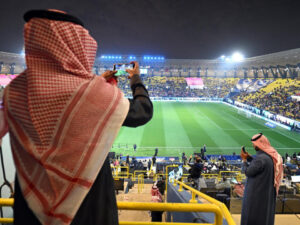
(149, 164)
(156, 196)
(224, 183)
(116, 162)
(127, 160)
(294, 157)
(183, 158)
(161, 185)
(145, 164)
(204, 148)
(298, 170)
(63, 172)
(195, 171)
(202, 153)
(134, 162)
(264, 175)
(154, 160)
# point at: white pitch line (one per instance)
(286, 136)
(234, 109)
(208, 147)
(248, 129)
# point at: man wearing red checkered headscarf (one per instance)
(62, 121)
(264, 174)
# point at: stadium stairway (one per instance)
(134, 196)
(280, 219)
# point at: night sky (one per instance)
(203, 29)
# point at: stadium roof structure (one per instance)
(283, 64)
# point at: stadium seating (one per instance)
(275, 98)
(162, 86)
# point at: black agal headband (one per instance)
(259, 136)
(51, 15)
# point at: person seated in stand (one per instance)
(224, 183)
(298, 171)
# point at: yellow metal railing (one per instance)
(140, 183)
(6, 202)
(138, 171)
(210, 175)
(167, 174)
(241, 177)
(225, 212)
(118, 173)
(171, 207)
(145, 206)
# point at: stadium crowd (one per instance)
(277, 100)
(275, 97)
(161, 86)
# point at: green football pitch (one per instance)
(178, 127)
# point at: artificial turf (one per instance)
(178, 127)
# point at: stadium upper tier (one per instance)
(283, 64)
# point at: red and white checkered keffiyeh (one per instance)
(264, 145)
(62, 119)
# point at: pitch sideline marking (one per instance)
(235, 110)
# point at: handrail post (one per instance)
(174, 182)
(180, 188)
(218, 219)
(193, 199)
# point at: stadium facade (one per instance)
(283, 64)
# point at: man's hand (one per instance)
(135, 70)
(244, 155)
(108, 74)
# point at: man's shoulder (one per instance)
(264, 156)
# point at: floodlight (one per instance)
(237, 57)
